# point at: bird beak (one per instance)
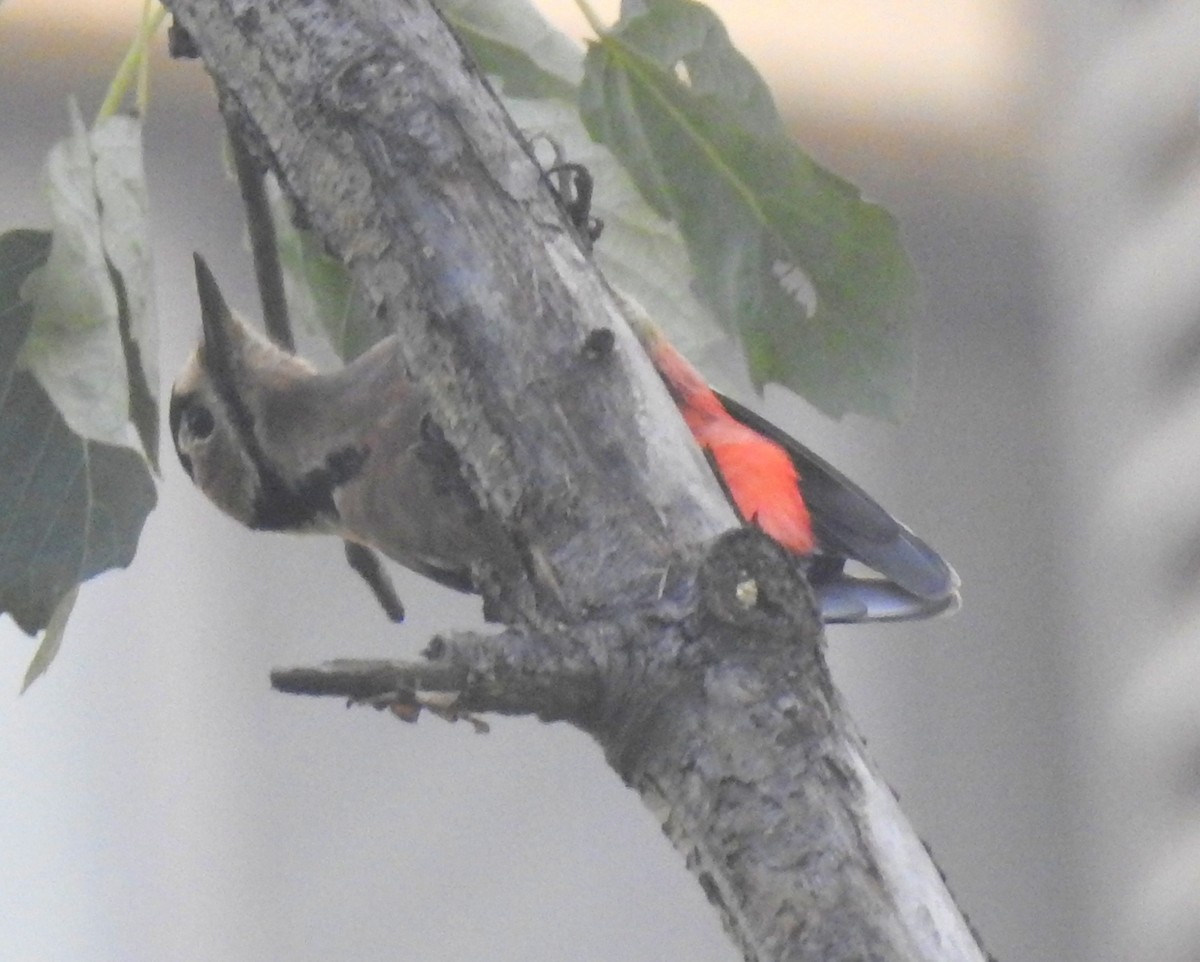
(216, 319)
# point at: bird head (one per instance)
(225, 406)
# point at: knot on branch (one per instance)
(741, 610)
(360, 80)
(752, 589)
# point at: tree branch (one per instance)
(697, 664)
(509, 673)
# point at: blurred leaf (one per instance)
(513, 43)
(52, 639)
(812, 278)
(124, 206)
(69, 508)
(322, 296)
(640, 253)
(93, 344)
(21, 253)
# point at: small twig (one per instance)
(252, 179)
(131, 67)
(510, 673)
(375, 682)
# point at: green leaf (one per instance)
(52, 639)
(69, 508)
(124, 205)
(93, 344)
(640, 253)
(513, 43)
(813, 279)
(322, 296)
(21, 253)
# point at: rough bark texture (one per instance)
(696, 663)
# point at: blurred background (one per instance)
(158, 802)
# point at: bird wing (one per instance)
(849, 523)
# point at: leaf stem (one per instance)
(142, 96)
(591, 17)
(130, 69)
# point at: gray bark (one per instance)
(695, 661)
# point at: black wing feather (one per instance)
(849, 522)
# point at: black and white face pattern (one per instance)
(214, 427)
(353, 452)
(227, 404)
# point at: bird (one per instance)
(280, 446)
(806, 505)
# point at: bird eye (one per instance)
(199, 421)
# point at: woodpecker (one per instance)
(809, 507)
(279, 446)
